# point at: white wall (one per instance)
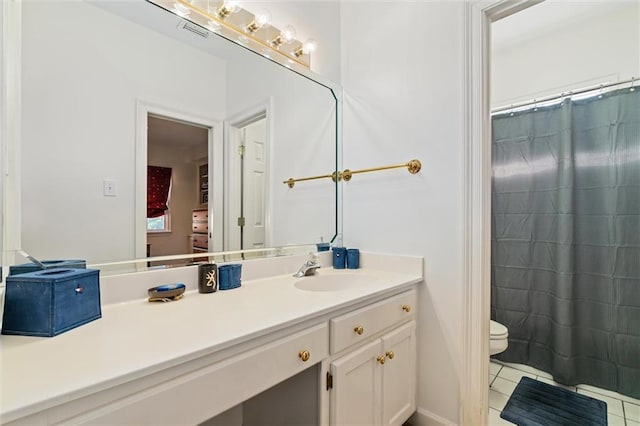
(318, 20)
(599, 47)
(303, 144)
(402, 74)
(80, 130)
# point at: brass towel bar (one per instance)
(412, 166)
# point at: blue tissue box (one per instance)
(229, 276)
(48, 264)
(50, 302)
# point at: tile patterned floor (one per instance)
(503, 378)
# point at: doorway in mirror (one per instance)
(248, 151)
(180, 149)
(252, 187)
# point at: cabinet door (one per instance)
(399, 375)
(356, 395)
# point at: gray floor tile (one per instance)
(631, 411)
(503, 386)
(495, 419)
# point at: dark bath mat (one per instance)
(534, 403)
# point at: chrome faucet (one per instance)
(309, 267)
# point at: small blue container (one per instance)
(229, 276)
(339, 257)
(322, 246)
(50, 302)
(25, 268)
(353, 258)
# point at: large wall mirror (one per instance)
(110, 88)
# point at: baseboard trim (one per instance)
(424, 417)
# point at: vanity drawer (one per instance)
(201, 227)
(206, 392)
(358, 326)
(200, 215)
(201, 241)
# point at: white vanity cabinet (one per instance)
(198, 390)
(374, 382)
(347, 357)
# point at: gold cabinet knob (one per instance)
(406, 308)
(390, 354)
(381, 359)
(359, 330)
(304, 355)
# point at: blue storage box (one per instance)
(50, 302)
(48, 264)
(229, 276)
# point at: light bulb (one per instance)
(228, 7)
(287, 35)
(263, 18)
(260, 19)
(309, 46)
(306, 48)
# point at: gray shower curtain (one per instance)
(565, 262)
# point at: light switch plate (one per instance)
(109, 188)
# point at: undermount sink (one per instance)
(333, 282)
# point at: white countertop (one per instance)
(137, 338)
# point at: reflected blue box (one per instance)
(229, 276)
(353, 258)
(25, 268)
(49, 302)
(322, 246)
(339, 257)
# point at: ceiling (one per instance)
(548, 16)
(177, 135)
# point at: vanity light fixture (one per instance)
(253, 30)
(260, 19)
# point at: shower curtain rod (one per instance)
(632, 81)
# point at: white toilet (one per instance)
(499, 338)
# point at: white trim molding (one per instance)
(474, 385)
(424, 417)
